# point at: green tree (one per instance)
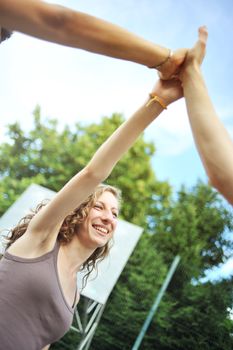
(195, 228)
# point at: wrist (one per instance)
(190, 70)
(161, 61)
(164, 97)
(154, 98)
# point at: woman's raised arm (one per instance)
(104, 160)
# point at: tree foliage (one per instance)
(192, 315)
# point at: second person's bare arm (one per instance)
(212, 139)
(68, 27)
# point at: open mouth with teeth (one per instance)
(101, 230)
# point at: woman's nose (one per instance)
(107, 216)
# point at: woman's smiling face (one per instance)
(100, 224)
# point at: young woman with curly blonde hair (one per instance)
(38, 272)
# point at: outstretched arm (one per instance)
(212, 139)
(72, 28)
(46, 222)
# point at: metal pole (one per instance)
(95, 326)
(156, 303)
(88, 322)
(84, 321)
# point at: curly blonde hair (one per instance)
(69, 227)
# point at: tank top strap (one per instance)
(56, 248)
(55, 252)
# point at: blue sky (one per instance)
(59, 79)
(72, 85)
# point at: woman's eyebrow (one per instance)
(104, 204)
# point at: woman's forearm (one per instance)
(212, 139)
(163, 94)
(122, 139)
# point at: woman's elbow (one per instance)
(96, 175)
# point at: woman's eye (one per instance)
(115, 215)
(97, 206)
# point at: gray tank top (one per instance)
(33, 309)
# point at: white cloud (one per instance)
(223, 271)
(227, 268)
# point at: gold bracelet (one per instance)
(166, 59)
(155, 98)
